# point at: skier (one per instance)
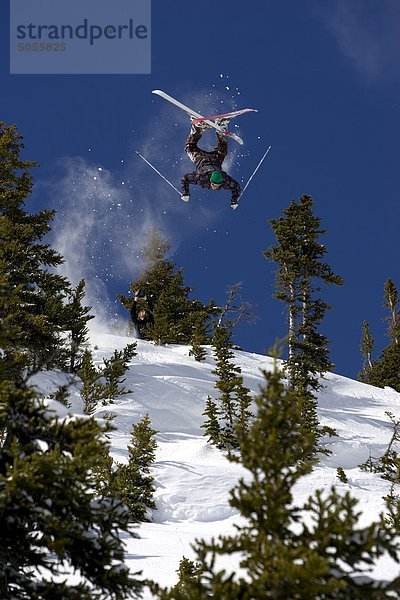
(142, 318)
(209, 173)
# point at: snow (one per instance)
(193, 479)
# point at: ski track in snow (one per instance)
(193, 479)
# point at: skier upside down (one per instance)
(209, 173)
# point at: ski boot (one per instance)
(202, 126)
(223, 122)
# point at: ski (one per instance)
(228, 115)
(197, 115)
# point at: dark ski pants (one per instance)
(197, 155)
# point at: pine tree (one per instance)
(385, 370)
(188, 587)
(103, 473)
(391, 302)
(299, 256)
(115, 368)
(92, 391)
(26, 262)
(341, 475)
(62, 394)
(244, 415)
(12, 359)
(103, 385)
(211, 425)
(234, 398)
(367, 347)
(175, 315)
(133, 483)
(77, 317)
(228, 379)
(200, 336)
(188, 573)
(287, 551)
(50, 517)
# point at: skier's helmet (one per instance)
(216, 178)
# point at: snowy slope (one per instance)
(193, 479)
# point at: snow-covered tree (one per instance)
(133, 483)
(51, 518)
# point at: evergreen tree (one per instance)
(26, 262)
(92, 391)
(12, 360)
(188, 573)
(367, 347)
(115, 368)
(62, 394)
(77, 317)
(228, 379)
(341, 475)
(299, 256)
(287, 551)
(50, 517)
(391, 302)
(175, 315)
(103, 385)
(244, 415)
(103, 473)
(200, 336)
(234, 399)
(133, 483)
(188, 587)
(211, 425)
(385, 371)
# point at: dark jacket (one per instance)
(140, 324)
(203, 179)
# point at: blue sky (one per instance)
(325, 77)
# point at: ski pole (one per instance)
(254, 172)
(158, 172)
